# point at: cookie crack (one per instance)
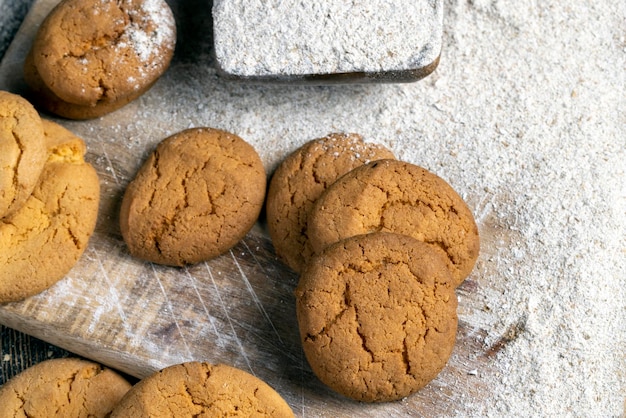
(185, 183)
(363, 337)
(443, 246)
(320, 156)
(58, 212)
(212, 195)
(158, 233)
(75, 239)
(331, 323)
(405, 353)
(20, 145)
(213, 198)
(23, 232)
(93, 45)
(194, 402)
(157, 172)
(70, 382)
(437, 209)
(366, 265)
(20, 397)
(166, 394)
(103, 90)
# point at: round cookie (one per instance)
(41, 242)
(377, 316)
(196, 196)
(201, 389)
(91, 52)
(300, 179)
(396, 196)
(67, 388)
(22, 151)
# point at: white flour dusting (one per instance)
(293, 37)
(152, 29)
(526, 118)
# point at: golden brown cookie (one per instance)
(196, 196)
(201, 389)
(41, 242)
(377, 316)
(22, 151)
(97, 53)
(63, 388)
(396, 196)
(300, 179)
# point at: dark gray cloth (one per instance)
(12, 14)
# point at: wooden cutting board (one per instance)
(238, 309)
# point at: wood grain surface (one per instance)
(238, 309)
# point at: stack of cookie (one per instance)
(381, 246)
(300, 180)
(91, 57)
(73, 388)
(49, 199)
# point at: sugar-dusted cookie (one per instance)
(396, 196)
(41, 242)
(377, 315)
(196, 196)
(64, 388)
(201, 389)
(300, 179)
(98, 53)
(22, 151)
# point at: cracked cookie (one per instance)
(396, 196)
(377, 316)
(201, 389)
(96, 56)
(41, 242)
(67, 387)
(300, 179)
(196, 196)
(22, 151)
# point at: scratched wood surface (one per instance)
(237, 309)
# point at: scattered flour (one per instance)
(526, 118)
